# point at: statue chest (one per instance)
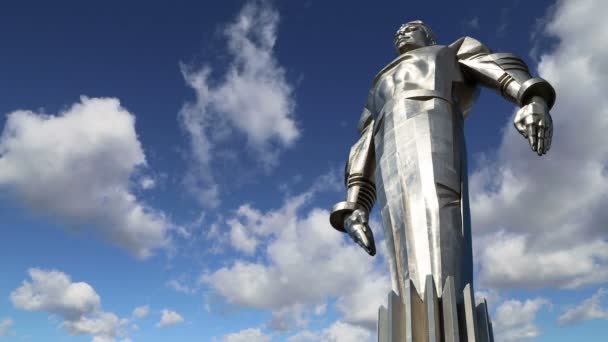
(433, 68)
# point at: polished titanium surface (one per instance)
(411, 152)
(432, 316)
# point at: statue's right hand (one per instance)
(357, 227)
(534, 122)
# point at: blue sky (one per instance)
(166, 171)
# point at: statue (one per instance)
(412, 150)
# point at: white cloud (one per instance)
(141, 311)
(337, 332)
(180, 287)
(320, 309)
(104, 326)
(5, 326)
(590, 308)
(304, 336)
(249, 225)
(512, 260)
(471, 24)
(492, 297)
(356, 306)
(147, 183)
(84, 156)
(307, 263)
(515, 320)
(344, 332)
(240, 239)
(247, 335)
(169, 318)
(252, 98)
(76, 303)
(54, 292)
(541, 221)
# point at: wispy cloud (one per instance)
(5, 326)
(590, 308)
(141, 312)
(471, 24)
(181, 287)
(247, 335)
(252, 99)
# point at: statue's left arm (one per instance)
(352, 215)
(509, 76)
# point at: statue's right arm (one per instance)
(505, 73)
(359, 174)
(509, 76)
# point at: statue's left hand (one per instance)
(534, 122)
(357, 227)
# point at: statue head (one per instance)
(413, 35)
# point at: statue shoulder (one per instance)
(466, 47)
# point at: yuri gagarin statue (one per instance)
(411, 151)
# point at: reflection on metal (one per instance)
(396, 315)
(450, 312)
(434, 319)
(383, 329)
(411, 157)
(433, 324)
(469, 314)
(484, 326)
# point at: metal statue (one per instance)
(412, 150)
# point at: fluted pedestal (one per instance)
(412, 317)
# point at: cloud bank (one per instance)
(540, 222)
(300, 263)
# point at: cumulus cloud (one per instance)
(306, 264)
(515, 320)
(85, 156)
(169, 318)
(247, 335)
(240, 239)
(541, 221)
(590, 308)
(252, 98)
(54, 292)
(104, 326)
(5, 326)
(76, 303)
(141, 311)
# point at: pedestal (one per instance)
(412, 317)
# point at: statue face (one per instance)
(411, 37)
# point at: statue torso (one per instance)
(431, 71)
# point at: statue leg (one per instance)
(420, 150)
